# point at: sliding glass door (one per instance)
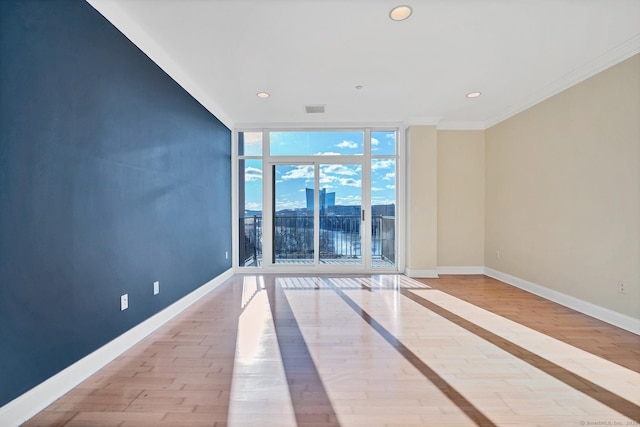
(340, 213)
(317, 213)
(293, 226)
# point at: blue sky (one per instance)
(343, 179)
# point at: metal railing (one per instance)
(383, 237)
(293, 237)
(250, 240)
(339, 238)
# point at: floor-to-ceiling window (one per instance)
(383, 197)
(320, 199)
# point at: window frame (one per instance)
(366, 159)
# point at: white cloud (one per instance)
(339, 170)
(350, 182)
(374, 141)
(391, 187)
(253, 206)
(326, 179)
(347, 144)
(378, 164)
(327, 153)
(377, 189)
(252, 174)
(389, 176)
(300, 172)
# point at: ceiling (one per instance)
(418, 71)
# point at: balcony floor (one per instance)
(375, 262)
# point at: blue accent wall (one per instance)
(111, 177)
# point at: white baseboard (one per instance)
(623, 321)
(421, 274)
(433, 274)
(461, 270)
(35, 400)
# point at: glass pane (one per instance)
(316, 143)
(250, 143)
(383, 212)
(383, 143)
(340, 205)
(250, 208)
(293, 214)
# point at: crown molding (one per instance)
(624, 51)
(461, 125)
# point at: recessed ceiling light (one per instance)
(400, 13)
(473, 94)
(262, 95)
(359, 87)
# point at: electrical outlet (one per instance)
(621, 288)
(156, 288)
(124, 302)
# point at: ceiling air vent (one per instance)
(312, 109)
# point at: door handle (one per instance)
(363, 214)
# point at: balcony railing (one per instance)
(339, 239)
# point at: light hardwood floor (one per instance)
(366, 351)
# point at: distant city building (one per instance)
(327, 200)
(330, 199)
